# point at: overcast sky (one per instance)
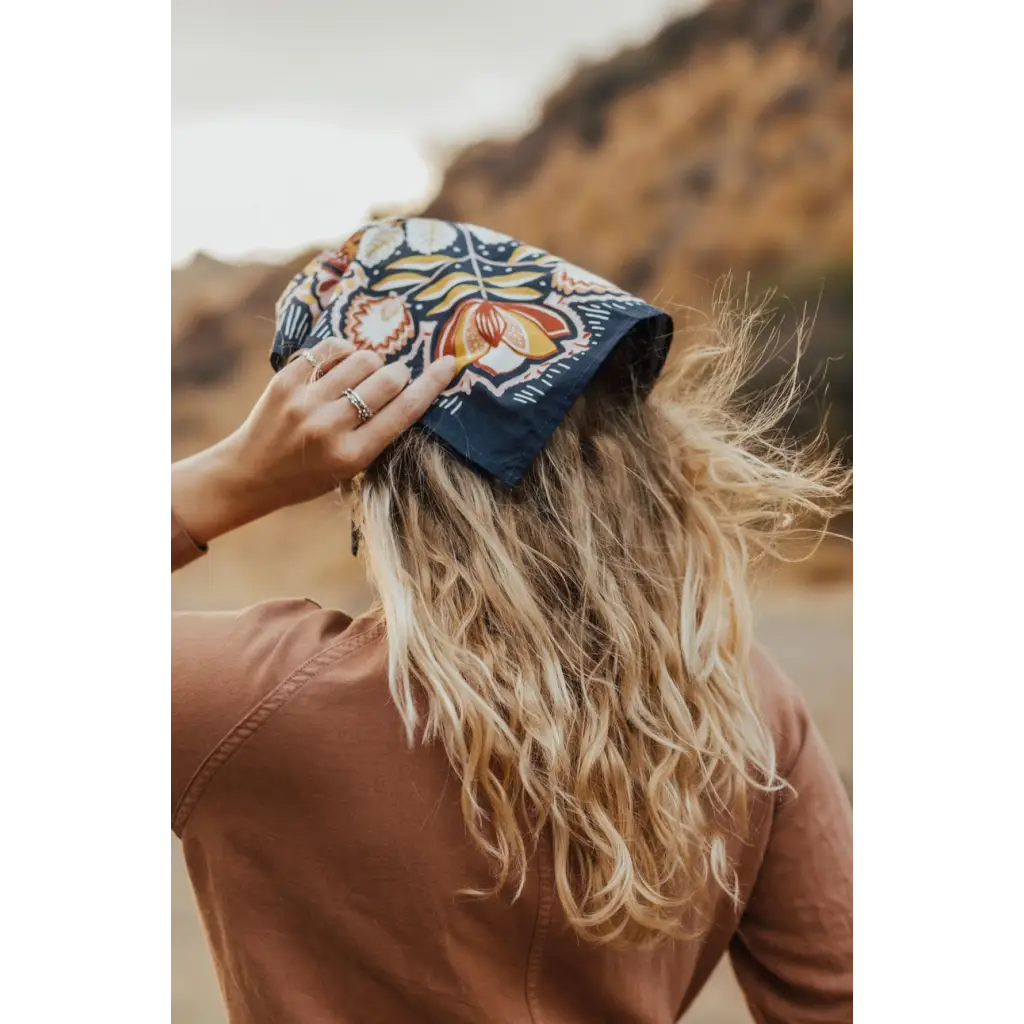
(291, 118)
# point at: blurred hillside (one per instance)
(724, 145)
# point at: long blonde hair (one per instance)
(580, 643)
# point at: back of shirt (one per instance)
(331, 863)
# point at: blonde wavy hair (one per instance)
(580, 643)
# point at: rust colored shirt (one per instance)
(327, 856)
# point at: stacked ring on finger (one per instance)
(377, 384)
(364, 412)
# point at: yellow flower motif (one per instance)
(498, 336)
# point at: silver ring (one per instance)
(364, 411)
(314, 362)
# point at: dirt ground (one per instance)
(805, 619)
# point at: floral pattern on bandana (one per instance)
(527, 329)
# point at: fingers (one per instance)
(310, 364)
(349, 373)
(331, 420)
(402, 411)
(366, 375)
(377, 390)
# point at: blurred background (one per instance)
(660, 144)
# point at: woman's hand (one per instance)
(302, 438)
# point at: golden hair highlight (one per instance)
(580, 643)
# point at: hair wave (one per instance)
(580, 643)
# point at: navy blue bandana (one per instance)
(528, 329)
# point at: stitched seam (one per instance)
(251, 723)
(540, 932)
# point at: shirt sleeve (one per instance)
(225, 665)
(793, 951)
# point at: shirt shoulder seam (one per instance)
(257, 716)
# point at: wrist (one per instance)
(209, 494)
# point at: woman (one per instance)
(548, 776)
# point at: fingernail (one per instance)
(448, 365)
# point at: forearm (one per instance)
(209, 497)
